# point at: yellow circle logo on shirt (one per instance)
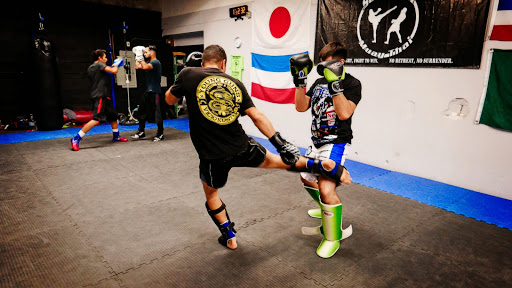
(219, 99)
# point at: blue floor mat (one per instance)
(180, 124)
(483, 207)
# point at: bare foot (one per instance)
(232, 243)
(345, 177)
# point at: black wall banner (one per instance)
(405, 33)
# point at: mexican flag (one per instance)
(496, 110)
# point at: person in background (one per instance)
(102, 107)
(153, 105)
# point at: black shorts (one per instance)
(215, 172)
(103, 110)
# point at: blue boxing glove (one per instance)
(119, 62)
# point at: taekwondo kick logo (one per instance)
(219, 99)
(387, 28)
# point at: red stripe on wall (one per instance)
(280, 96)
(502, 33)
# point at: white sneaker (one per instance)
(139, 135)
(158, 138)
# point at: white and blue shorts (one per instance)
(335, 152)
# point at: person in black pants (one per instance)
(154, 103)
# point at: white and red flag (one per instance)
(502, 28)
(280, 30)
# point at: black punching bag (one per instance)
(48, 98)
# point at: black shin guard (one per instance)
(314, 166)
(226, 229)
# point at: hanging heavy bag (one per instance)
(48, 100)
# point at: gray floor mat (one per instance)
(132, 215)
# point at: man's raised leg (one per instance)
(327, 168)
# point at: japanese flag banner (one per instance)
(280, 30)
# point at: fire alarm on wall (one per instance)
(238, 42)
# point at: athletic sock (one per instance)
(77, 137)
(116, 133)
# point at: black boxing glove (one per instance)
(289, 153)
(334, 73)
(300, 66)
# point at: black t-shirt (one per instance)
(99, 80)
(326, 126)
(215, 100)
(154, 76)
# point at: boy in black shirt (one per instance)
(215, 101)
(102, 107)
(333, 99)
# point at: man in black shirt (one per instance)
(152, 107)
(215, 101)
(332, 99)
(102, 107)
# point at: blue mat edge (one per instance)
(483, 207)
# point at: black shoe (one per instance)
(158, 138)
(139, 135)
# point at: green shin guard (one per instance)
(331, 230)
(313, 192)
(317, 213)
(331, 223)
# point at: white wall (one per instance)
(398, 125)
